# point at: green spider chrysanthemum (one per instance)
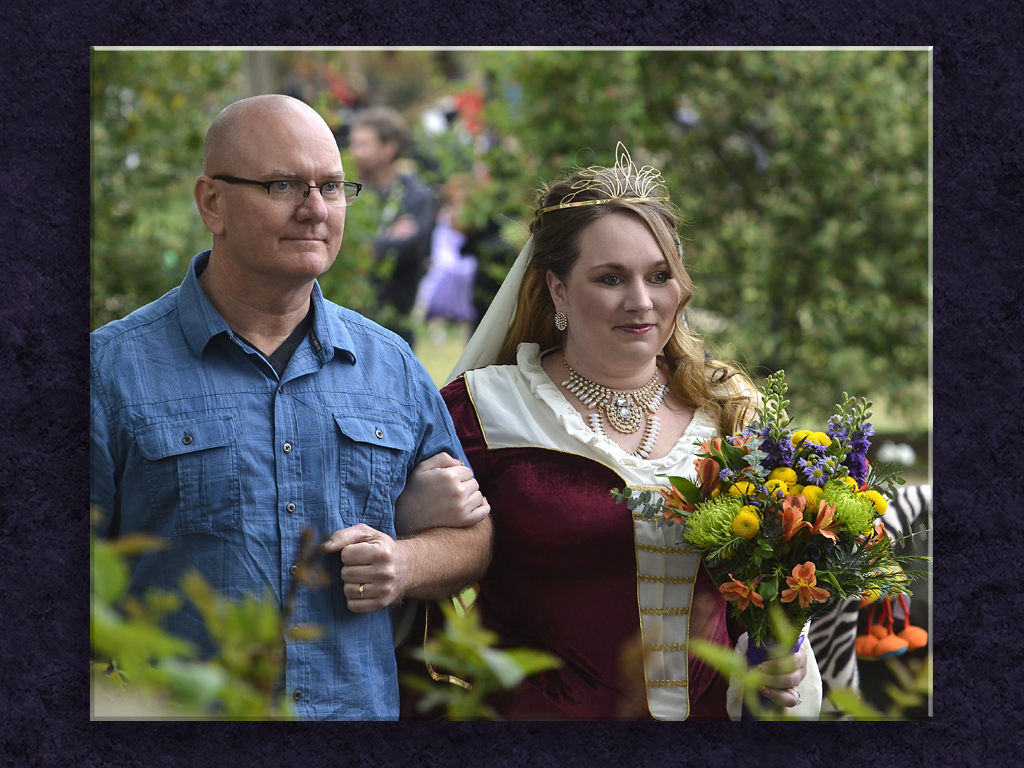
(853, 512)
(711, 524)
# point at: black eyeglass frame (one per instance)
(309, 187)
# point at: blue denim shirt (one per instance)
(196, 439)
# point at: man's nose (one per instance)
(313, 204)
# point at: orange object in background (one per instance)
(881, 640)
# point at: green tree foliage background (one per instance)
(802, 178)
(149, 115)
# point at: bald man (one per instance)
(243, 407)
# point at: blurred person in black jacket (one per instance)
(377, 138)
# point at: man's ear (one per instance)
(210, 204)
(557, 290)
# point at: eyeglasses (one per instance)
(292, 191)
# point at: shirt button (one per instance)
(280, 390)
(287, 447)
(294, 569)
(290, 508)
(297, 694)
(379, 434)
(186, 440)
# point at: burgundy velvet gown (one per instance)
(564, 580)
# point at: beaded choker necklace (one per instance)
(625, 411)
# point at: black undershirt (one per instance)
(280, 356)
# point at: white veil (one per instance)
(483, 347)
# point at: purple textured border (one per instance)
(44, 203)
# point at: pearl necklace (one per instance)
(625, 411)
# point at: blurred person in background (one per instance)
(377, 138)
(446, 290)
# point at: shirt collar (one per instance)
(329, 331)
(201, 322)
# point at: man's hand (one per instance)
(372, 567)
(441, 492)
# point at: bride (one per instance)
(583, 377)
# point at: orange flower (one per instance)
(871, 537)
(708, 470)
(824, 523)
(802, 585)
(741, 442)
(674, 501)
(742, 594)
(672, 516)
(792, 516)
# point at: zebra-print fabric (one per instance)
(832, 634)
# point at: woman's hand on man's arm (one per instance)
(441, 492)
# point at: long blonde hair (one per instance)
(723, 390)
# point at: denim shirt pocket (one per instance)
(192, 474)
(374, 451)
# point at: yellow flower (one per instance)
(813, 494)
(796, 488)
(878, 500)
(820, 438)
(850, 482)
(776, 488)
(746, 523)
(785, 474)
(742, 488)
(800, 435)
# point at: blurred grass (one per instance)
(439, 348)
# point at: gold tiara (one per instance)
(613, 182)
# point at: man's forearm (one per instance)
(439, 562)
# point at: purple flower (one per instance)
(779, 454)
(813, 471)
(857, 463)
(836, 429)
(818, 449)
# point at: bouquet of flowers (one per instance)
(786, 518)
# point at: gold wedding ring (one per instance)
(361, 591)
